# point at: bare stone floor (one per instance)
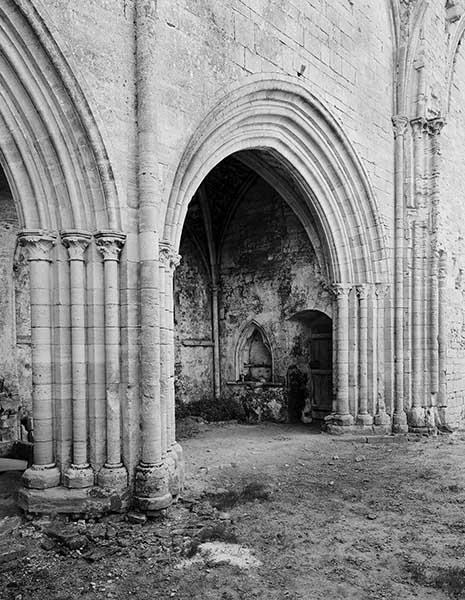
(271, 512)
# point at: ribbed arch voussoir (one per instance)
(277, 114)
(65, 167)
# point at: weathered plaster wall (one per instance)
(452, 237)
(15, 349)
(269, 272)
(8, 230)
(193, 326)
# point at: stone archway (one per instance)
(291, 140)
(60, 177)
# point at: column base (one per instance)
(41, 477)
(114, 477)
(174, 484)
(88, 502)
(442, 422)
(364, 420)
(336, 423)
(152, 487)
(416, 417)
(79, 476)
(382, 423)
(399, 423)
(382, 419)
(179, 453)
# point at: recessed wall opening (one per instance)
(254, 358)
(248, 266)
(15, 326)
(310, 383)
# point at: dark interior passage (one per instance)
(248, 268)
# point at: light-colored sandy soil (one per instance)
(325, 517)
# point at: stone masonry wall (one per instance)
(205, 46)
(97, 39)
(8, 230)
(269, 272)
(193, 327)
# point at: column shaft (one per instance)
(399, 419)
(343, 416)
(80, 474)
(43, 474)
(442, 331)
(164, 364)
(113, 474)
(170, 353)
(216, 342)
(417, 312)
(381, 418)
(363, 417)
(434, 326)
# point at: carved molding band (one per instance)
(37, 244)
(110, 244)
(76, 242)
(399, 124)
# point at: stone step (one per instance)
(12, 464)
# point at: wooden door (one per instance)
(321, 374)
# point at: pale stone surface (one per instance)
(120, 114)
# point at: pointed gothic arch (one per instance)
(51, 149)
(278, 115)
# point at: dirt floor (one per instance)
(295, 513)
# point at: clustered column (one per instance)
(80, 474)
(381, 417)
(152, 475)
(43, 473)
(113, 474)
(342, 416)
(174, 460)
(363, 417)
(400, 123)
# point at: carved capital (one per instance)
(381, 290)
(76, 242)
(435, 126)
(362, 291)
(110, 243)
(420, 125)
(37, 244)
(399, 124)
(165, 254)
(168, 256)
(341, 290)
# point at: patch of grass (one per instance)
(250, 492)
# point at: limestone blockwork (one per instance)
(318, 210)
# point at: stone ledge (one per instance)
(94, 501)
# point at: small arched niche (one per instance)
(254, 359)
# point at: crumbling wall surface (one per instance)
(8, 230)
(452, 239)
(341, 51)
(193, 326)
(269, 273)
(14, 392)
